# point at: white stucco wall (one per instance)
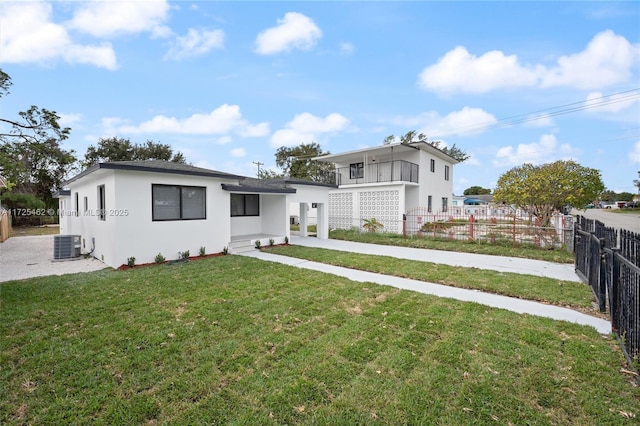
(129, 230)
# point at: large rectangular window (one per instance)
(356, 171)
(429, 203)
(245, 205)
(102, 204)
(446, 172)
(445, 204)
(176, 202)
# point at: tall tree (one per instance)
(476, 190)
(31, 156)
(541, 190)
(120, 149)
(411, 136)
(297, 162)
(636, 182)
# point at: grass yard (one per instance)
(569, 294)
(498, 249)
(27, 231)
(234, 340)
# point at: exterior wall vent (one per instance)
(66, 246)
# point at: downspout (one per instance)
(392, 164)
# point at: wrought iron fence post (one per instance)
(602, 278)
(614, 291)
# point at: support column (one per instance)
(304, 222)
(323, 221)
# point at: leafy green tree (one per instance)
(269, 174)
(120, 149)
(412, 136)
(636, 182)
(297, 162)
(476, 190)
(31, 156)
(541, 190)
(609, 195)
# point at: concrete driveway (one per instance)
(26, 257)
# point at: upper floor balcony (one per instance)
(389, 171)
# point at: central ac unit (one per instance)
(66, 246)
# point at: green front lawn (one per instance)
(497, 249)
(574, 295)
(234, 340)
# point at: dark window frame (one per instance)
(446, 173)
(433, 165)
(356, 170)
(180, 200)
(102, 203)
(242, 198)
(429, 203)
(445, 204)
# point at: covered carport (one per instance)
(310, 193)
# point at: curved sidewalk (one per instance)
(539, 268)
(508, 303)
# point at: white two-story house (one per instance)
(387, 181)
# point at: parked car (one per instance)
(631, 205)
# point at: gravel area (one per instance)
(26, 257)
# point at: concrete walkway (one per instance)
(498, 263)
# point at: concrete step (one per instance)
(241, 246)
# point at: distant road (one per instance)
(613, 218)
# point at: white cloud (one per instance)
(612, 103)
(634, 155)
(195, 43)
(28, 35)
(460, 71)
(294, 31)
(238, 152)
(545, 150)
(346, 48)
(305, 127)
(466, 121)
(109, 18)
(222, 120)
(69, 119)
(607, 60)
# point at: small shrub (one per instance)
(203, 251)
(258, 244)
(286, 239)
(372, 225)
(160, 258)
(225, 250)
(271, 241)
(131, 261)
(184, 255)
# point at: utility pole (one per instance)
(258, 163)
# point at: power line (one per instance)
(599, 102)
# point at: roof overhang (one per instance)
(385, 149)
(257, 189)
(149, 167)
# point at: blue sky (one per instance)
(227, 83)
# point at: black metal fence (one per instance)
(609, 261)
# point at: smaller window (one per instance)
(433, 165)
(77, 204)
(102, 212)
(356, 171)
(86, 205)
(245, 205)
(446, 172)
(445, 204)
(429, 203)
